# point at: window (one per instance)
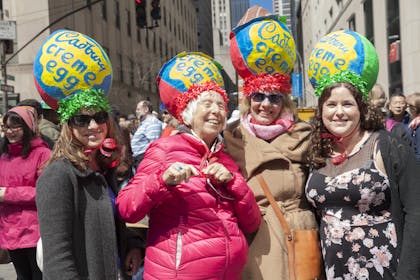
(120, 64)
(352, 22)
(131, 72)
(128, 23)
(104, 10)
(154, 42)
(164, 16)
(117, 14)
(368, 13)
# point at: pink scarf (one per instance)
(271, 131)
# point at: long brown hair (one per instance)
(370, 119)
(67, 146)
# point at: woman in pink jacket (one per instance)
(23, 154)
(198, 203)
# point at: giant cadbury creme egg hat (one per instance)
(263, 53)
(343, 56)
(185, 77)
(68, 63)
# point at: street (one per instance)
(7, 272)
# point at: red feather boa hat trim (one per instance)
(267, 83)
(182, 100)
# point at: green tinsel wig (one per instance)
(90, 99)
(342, 77)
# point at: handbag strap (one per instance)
(282, 220)
(275, 206)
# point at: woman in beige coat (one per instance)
(269, 139)
(282, 163)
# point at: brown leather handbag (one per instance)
(302, 245)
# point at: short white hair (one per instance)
(188, 113)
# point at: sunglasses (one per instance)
(260, 97)
(84, 120)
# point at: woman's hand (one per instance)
(133, 261)
(414, 123)
(218, 172)
(178, 172)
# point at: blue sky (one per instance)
(267, 4)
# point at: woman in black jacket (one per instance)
(83, 236)
(364, 185)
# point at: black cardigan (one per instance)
(404, 175)
(79, 229)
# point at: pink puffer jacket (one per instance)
(194, 233)
(18, 216)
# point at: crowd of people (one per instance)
(79, 176)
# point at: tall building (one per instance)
(137, 52)
(391, 25)
(238, 9)
(221, 20)
(283, 8)
(204, 26)
(221, 29)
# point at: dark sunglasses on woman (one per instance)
(84, 120)
(260, 97)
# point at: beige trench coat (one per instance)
(283, 166)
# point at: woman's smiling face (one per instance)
(209, 118)
(266, 111)
(93, 134)
(13, 132)
(340, 113)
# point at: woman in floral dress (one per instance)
(364, 187)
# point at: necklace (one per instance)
(341, 157)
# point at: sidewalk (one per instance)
(7, 272)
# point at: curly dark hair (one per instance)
(370, 119)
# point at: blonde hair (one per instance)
(377, 96)
(288, 106)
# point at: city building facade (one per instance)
(137, 52)
(204, 26)
(391, 25)
(222, 27)
(238, 8)
(283, 8)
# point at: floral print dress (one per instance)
(358, 236)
